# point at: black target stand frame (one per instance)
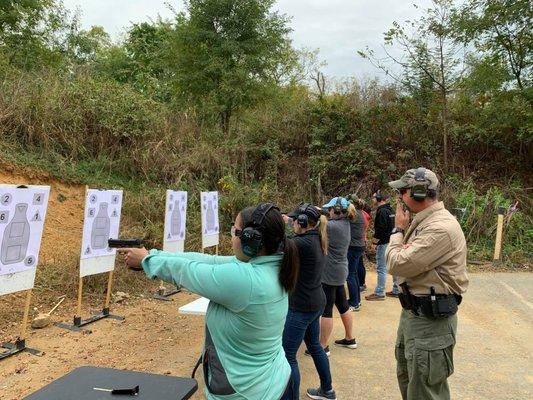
(20, 344)
(17, 347)
(165, 295)
(79, 323)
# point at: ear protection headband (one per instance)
(251, 236)
(419, 191)
(378, 196)
(303, 219)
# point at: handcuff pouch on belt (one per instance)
(432, 306)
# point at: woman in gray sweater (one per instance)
(336, 271)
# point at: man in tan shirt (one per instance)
(429, 256)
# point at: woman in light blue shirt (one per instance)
(243, 354)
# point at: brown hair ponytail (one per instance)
(290, 265)
(323, 233)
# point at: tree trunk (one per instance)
(225, 117)
(444, 122)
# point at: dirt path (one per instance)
(493, 356)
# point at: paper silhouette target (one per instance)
(16, 237)
(101, 223)
(22, 213)
(175, 220)
(210, 222)
(100, 228)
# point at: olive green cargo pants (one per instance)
(424, 356)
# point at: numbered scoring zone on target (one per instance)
(22, 214)
(102, 221)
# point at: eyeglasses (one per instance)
(234, 231)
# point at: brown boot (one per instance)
(374, 297)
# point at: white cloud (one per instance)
(337, 27)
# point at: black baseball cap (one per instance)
(306, 208)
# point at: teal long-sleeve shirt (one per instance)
(245, 317)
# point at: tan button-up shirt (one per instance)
(432, 253)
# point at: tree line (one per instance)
(219, 95)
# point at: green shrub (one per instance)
(479, 222)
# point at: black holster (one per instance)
(432, 306)
(407, 300)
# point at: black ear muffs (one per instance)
(251, 241)
(303, 221)
(419, 191)
(252, 237)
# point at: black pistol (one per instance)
(124, 243)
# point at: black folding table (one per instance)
(83, 382)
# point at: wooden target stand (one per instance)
(20, 344)
(78, 322)
(499, 236)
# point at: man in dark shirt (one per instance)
(383, 225)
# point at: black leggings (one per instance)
(334, 295)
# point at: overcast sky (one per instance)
(338, 28)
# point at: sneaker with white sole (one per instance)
(351, 344)
(326, 349)
(319, 394)
(355, 308)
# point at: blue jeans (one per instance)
(300, 326)
(355, 256)
(395, 287)
(381, 266)
(361, 271)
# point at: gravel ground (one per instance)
(492, 357)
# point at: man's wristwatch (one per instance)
(397, 230)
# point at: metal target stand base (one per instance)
(78, 323)
(165, 296)
(18, 347)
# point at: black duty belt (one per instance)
(432, 306)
